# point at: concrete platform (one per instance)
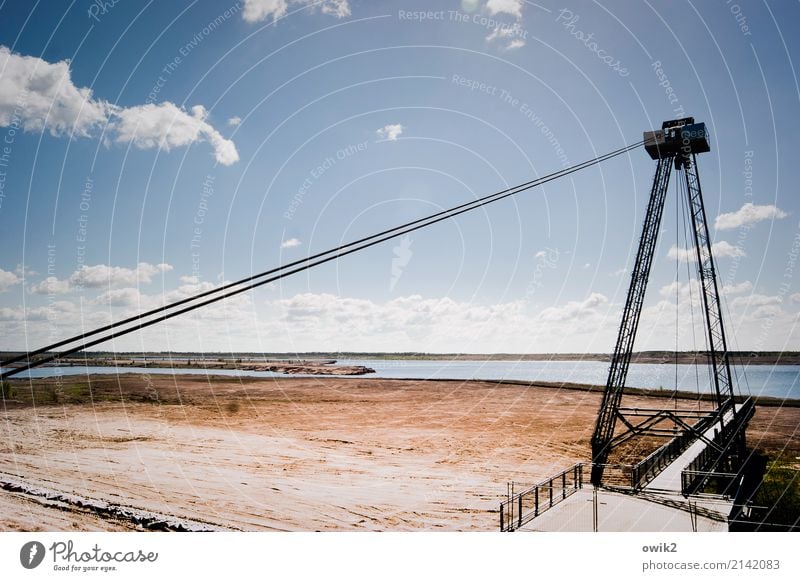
(643, 512)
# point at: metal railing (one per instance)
(654, 464)
(705, 464)
(522, 507)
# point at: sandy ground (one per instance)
(297, 453)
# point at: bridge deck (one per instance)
(670, 477)
(642, 512)
(659, 506)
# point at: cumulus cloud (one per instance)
(502, 34)
(167, 126)
(512, 7)
(508, 36)
(101, 275)
(595, 304)
(121, 297)
(37, 95)
(235, 121)
(50, 286)
(748, 215)
(411, 322)
(56, 312)
(720, 249)
(290, 243)
(691, 289)
(260, 10)
(337, 8)
(390, 132)
(7, 280)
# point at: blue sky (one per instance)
(152, 150)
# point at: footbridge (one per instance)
(693, 481)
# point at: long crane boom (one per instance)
(137, 322)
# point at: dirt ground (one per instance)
(297, 453)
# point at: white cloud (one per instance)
(260, 10)
(24, 271)
(403, 323)
(756, 300)
(50, 286)
(166, 126)
(38, 95)
(101, 275)
(41, 94)
(7, 280)
(235, 121)
(512, 7)
(337, 8)
(121, 297)
(737, 289)
(720, 249)
(594, 305)
(509, 36)
(290, 243)
(748, 215)
(390, 132)
(56, 312)
(620, 272)
(691, 291)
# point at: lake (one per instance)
(782, 381)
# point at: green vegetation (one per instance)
(76, 393)
(779, 494)
(7, 390)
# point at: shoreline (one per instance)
(325, 357)
(768, 401)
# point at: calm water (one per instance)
(781, 381)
